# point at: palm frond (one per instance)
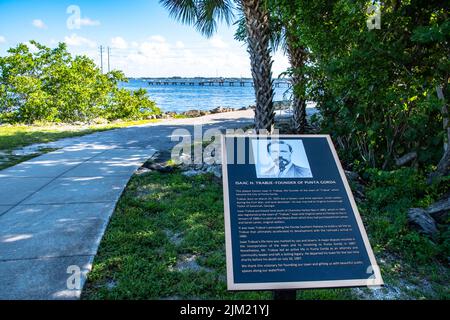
(210, 12)
(182, 10)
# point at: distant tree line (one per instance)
(51, 85)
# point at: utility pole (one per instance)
(101, 58)
(109, 69)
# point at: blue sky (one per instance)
(144, 40)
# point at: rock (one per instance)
(192, 113)
(215, 170)
(440, 210)
(351, 175)
(191, 173)
(174, 237)
(188, 262)
(170, 114)
(142, 170)
(160, 168)
(222, 109)
(111, 284)
(217, 110)
(204, 113)
(422, 222)
(185, 158)
(99, 120)
(198, 167)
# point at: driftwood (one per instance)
(440, 210)
(443, 168)
(420, 220)
(407, 158)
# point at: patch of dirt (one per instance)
(159, 162)
(187, 262)
(404, 286)
(174, 237)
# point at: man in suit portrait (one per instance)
(281, 154)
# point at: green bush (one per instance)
(376, 89)
(52, 86)
(130, 105)
(389, 196)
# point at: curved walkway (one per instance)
(55, 208)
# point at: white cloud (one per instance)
(38, 23)
(2, 39)
(155, 49)
(86, 22)
(217, 42)
(76, 41)
(156, 56)
(119, 43)
(157, 38)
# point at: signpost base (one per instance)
(284, 294)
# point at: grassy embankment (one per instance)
(166, 241)
(16, 136)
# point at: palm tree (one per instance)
(284, 34)
(204, 14)
(298, 56)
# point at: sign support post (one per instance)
(284, 294)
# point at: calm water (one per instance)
(181, 98)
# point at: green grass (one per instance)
(137, 259)
(410, 256)
(16, 136)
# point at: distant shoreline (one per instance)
(195, 113)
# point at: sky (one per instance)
(143, 40)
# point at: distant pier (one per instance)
(209, 82)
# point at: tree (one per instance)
(435, 37)
(285, 34)
(375, 93)
(52, 86)
(204, 14)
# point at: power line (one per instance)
(109, 68)
(101, 58)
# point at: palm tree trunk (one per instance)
(297, 59)
(258, 37)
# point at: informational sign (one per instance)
(291, 221)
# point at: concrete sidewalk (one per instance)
(53, 212)
(54, 208)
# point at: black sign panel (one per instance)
(290, 217)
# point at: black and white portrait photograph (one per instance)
(281, 158)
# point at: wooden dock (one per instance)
(202, 83)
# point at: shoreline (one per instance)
(195, 113)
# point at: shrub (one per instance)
(389, 196)
(52, 86)
(130, 105)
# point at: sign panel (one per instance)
(291, 221)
